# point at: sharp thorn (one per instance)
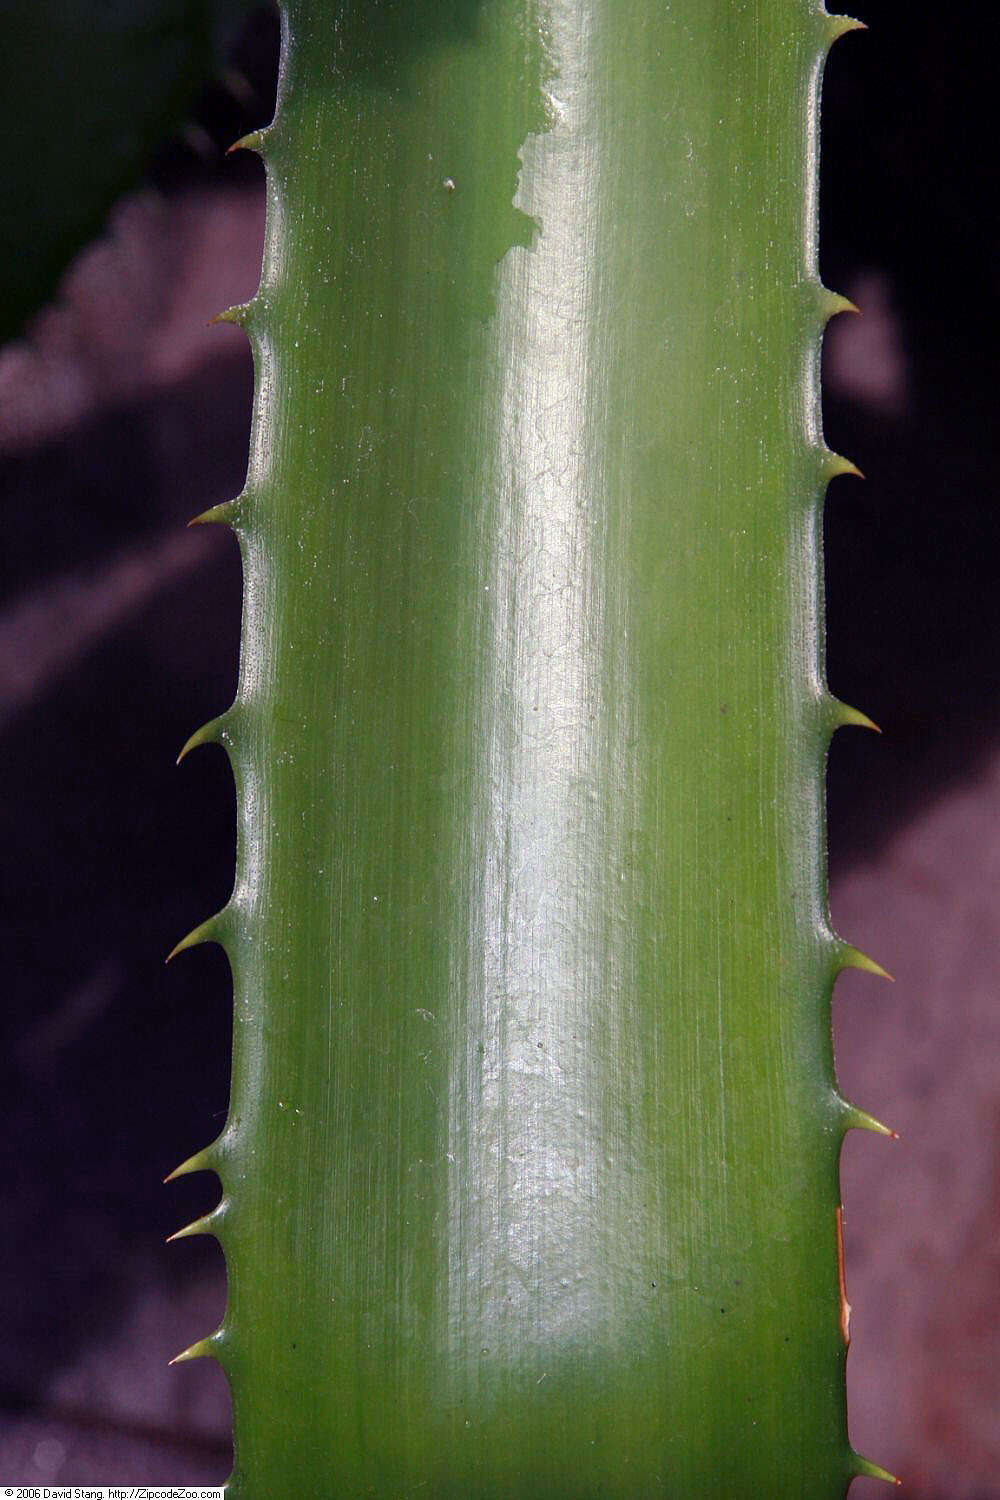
(212, 733)
(853, 958)
(834, 303)
(207, 1224)
(202, 1161)
(253, 141)
(864, 1467)
(203, 1349)
(860, 1119)
(844, 715)
(234, 314)
(838, 26)
(206, 932)
(836, 464)
(216, 515)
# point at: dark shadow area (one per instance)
(126, 478)
(120, 634)
(115, 1069)
(912, 554)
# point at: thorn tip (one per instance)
(234, 314)
(844, 715)
(860, 1119)
(205, 1160)
(207, 1224)
(835, 303)
(864, 1468)
(840, 25)
(211, 733)
(252, 141)
(202, 1349)
(854, 958)
(205, 932)
(837, 464)
(216, 515)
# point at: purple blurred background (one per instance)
(122, 416)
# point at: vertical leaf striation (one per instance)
(530, 1175)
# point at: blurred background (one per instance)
(122, 415)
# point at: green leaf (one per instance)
(530, 1176)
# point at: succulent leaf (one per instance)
(533, 1142)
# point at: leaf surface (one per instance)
(531, 1169)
